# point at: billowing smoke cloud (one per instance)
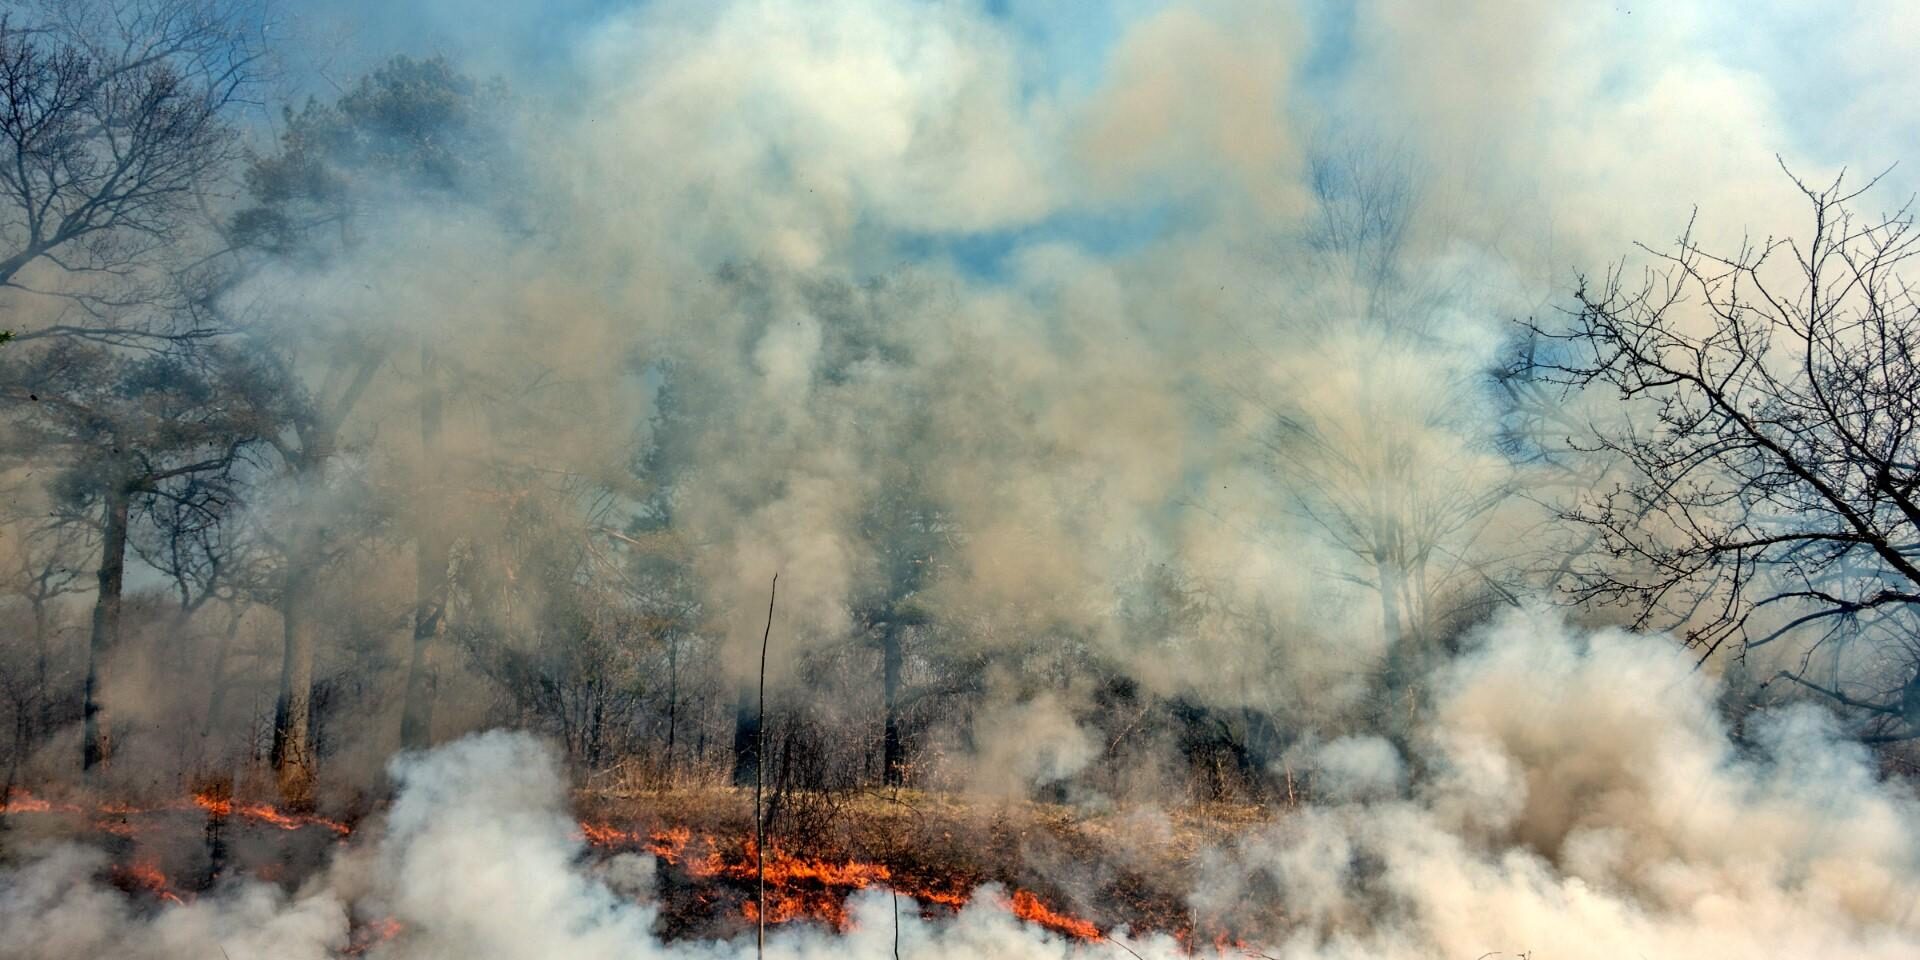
(839, 264)
(1580, 797)
(477, 858)
(1053, 282)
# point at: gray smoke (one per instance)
(1581, 799)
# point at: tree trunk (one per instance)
(293, 747)
(292, 756)
(97, 746)
(673, 699)
(42, 670)
(746, 740)
(430, 579)
(1397, 676)
(429, 617)
(596, 720)
(1390, 628)
(217, 697)
(893, 754)
(700, 735)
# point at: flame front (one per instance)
(266, 814)
(144, 876)
(798, 888)
(813, 889)
(111, 817)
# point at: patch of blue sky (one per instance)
(988, 256)
(1330, 45)
(1070, 45)
(1065, 43)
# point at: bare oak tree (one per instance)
(1383, 460)
(1769, 481)
(140, 439)
(116, 118)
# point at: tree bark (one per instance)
(673, 700)
(217, 697)
(1391, 630)
(432, 551)
(97, 745)
(42, 669)
(893, 753)
(292, 755)
(746, 740)
(429, 618)
(1398, 673)
(596, 722)
(293, 748)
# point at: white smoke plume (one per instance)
(1583, 799)
(1580, 799)
(712, 189)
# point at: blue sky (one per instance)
(1827, 94)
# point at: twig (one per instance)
(1122, 944)
(759, 776)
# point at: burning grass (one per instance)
(1070, 872)
(1075, 873)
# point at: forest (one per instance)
(1228, 476)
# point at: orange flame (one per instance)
(798, 888)
(371, 935)
(266, 814)
(807, 888)
(110, 816)
(20, 801)
(147, 876)
(1028, 907)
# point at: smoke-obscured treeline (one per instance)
(440, 400)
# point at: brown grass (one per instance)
(1124, 867)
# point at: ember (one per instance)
(812, 889)
(145, 877)
(266, 814)
(20, 801)
(1028, 907)
(370, 935)
(112, 817)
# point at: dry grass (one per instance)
(1119, 867)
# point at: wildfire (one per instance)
(813, 889)
(20, 801)
(798, 888)
(1028, 907)
(146, 877)
(111, 817)
(266, 814)
(370, 935)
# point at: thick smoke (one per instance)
(772, 214)
(1583, 798)
(748, 282)
(1580, 798)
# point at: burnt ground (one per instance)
(1075, 871)
(1114, 869)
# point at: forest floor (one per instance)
(1066, 867)
(1081, 871)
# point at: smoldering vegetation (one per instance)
(1199, 407)
(1666, 839)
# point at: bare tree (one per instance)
(48, 564)
(1770, 450)
(306, 447)
(906, 535)
(1377, 447)
(408, 128)
(134, 434)
(116, 118)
